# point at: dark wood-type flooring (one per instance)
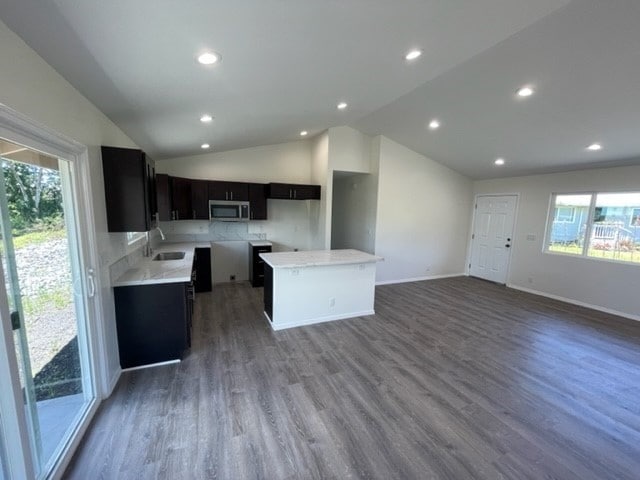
(451, 379)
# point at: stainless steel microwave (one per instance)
(227, 211)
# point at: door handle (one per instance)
(91, 283)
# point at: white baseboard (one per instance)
(152, 365)
(312, 321)
(420, 279)
(575, 302)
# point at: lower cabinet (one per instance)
(202, 265)
(268, 291)
(256, 264)
(154, 322)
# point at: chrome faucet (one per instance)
(161, 233)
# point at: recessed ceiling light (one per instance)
(525, 91)
(499, 161)
(434, 124)
(303, 133)
(342, 105)
(208, 58)
(594, 147)
(204, 146)
(206, 118)
(413, 54)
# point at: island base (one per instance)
(304, 296)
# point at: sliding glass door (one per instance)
(44, 280)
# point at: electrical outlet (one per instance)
(332, 302)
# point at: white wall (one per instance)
(606, 285)
(320, 221)
(284, 162)
(349, 150)
(423, 216)
(30, 86)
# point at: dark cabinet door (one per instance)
(306, 192)
(126, 186)
(257, 265)
(228, 191)
(280, 190)
(257, 201)
(163, 195)
(151, 322)
(268, 291)
(200, 199)
(203, 270)
(238, 191)
(181, 198)
(218, 190)
(291, 191)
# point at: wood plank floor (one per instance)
(451, 379)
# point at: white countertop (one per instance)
(315, 258)
(260, 243)
(149, 271)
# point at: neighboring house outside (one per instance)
(620, 225)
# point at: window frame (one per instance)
(584, 254)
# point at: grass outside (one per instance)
(34, 238)
(631, 257)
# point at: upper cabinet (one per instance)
(130, 189)
(257, 201)
(290, 191)
(231, 191)
(163, 192)
(181, 198)
(200, 199)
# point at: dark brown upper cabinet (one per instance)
(129, 185)
(290, 191)
(257, 201)
(163, 195)
(181, 199)
(200, 199)
(231, 191)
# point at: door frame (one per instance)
(473, 229)
(20, 129)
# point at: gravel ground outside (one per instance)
(45, 283)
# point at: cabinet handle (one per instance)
(226, 195)
(290, 195)
(177, 215)
(194, 214)
(173, 214)
(295, 193)
(231, 193)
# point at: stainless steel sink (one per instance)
(169, 256)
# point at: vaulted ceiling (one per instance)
(287, 64)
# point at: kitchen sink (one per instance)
(169, 256)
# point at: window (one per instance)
(596, 225)
(133, 237)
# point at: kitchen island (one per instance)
(303, 288)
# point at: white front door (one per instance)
(492, 237)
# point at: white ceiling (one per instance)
(286, 64)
